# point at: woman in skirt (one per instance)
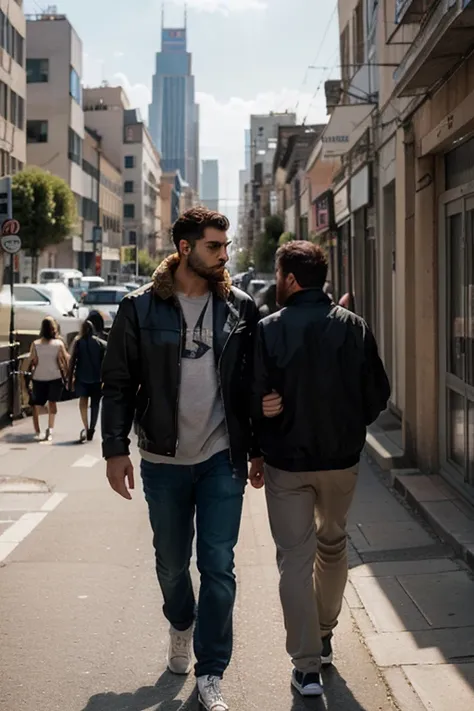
(49, 361)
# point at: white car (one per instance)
(33, 302)
(106, 300)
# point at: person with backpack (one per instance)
(87, 354)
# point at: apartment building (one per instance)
(102, 209)
(55, 119)
(12, 91)
(127, 143)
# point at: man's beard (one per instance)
(212, 274)
(281, 295)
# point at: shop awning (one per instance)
(346, 126)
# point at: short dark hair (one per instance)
(306, 261)
(49, 329)
(192, 223)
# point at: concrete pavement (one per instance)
(82, 628)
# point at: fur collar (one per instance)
(163, 282)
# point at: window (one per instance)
(3, 100)
(128, 186)
(91, 170)
(130, 161)
(75, 147)
(129, 210)
(75, 89)
(37, 71)
(132, 237)
(89, 209)
(4, 163)
(17, 110)
(37, 131)
(358, 35)
(29, 295)
(11, 40)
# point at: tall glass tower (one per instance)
(174, 114)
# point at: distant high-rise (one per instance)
(210, 184)
(174, 114)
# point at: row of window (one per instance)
(11, 40)
(8, 164)
(114, 187)
(111, 224)
(90, 169)
(12, 106)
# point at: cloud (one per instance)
(224, 6)
(138, 94)
(118, 55)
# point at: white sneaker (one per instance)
(210, 696)
(39, 437)
(180, 653)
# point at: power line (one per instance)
(323, 79)
(313, 63)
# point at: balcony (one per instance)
(445, 37)
(411, 11)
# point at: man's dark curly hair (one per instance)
(191, 224)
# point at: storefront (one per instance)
(456, 304)
(343, 252)
(323, 207)
(363, 246)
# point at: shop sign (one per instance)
(324, 209)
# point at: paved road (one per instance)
(81, 627)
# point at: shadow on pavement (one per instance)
(337, 696)
(162, 697)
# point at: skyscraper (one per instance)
(174, 114)
(210, 184)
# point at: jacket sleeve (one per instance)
(254, 449)
(376, 386)
(120, 381)
(261, 377)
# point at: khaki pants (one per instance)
(308, 512)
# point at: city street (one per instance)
(81, 626)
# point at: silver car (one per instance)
(106, 300)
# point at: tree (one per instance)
(286, 237)
(243, 260)
(146, 265)
(45, 207)
(267, 244)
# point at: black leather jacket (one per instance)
(141, 371)
(323, 360)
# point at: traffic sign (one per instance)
(11, 244)
(10, 227)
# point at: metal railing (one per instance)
(14, 395)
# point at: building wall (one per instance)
(50, 101)
(12, 73)
(210, 184)
(104, 108)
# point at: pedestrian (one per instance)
(87, 354)
(180, 359)
(49, 361)
(318, 383)
(97, 320)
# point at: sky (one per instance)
(249, 56)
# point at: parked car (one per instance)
(106, 300)
(33, 302)
(255, 286)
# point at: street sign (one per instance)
(10, 227)
(11, 244)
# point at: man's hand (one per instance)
(256, 474)
(272, 405)
(120, 471)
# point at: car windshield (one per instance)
(103, 297)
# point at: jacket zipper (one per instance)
(181, 319)
(220, 386)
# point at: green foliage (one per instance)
(146, 264)
(286, 237)
(266, 244)
(45, 207)
(243, 260)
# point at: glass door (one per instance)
(458, 343)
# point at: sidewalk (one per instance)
(412, 601)
(405, 639)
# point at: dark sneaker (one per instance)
(327, 655)
(90, 435)
(307, 684)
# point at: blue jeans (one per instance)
(174, 495)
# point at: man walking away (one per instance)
(321, 382)
(180, 359)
